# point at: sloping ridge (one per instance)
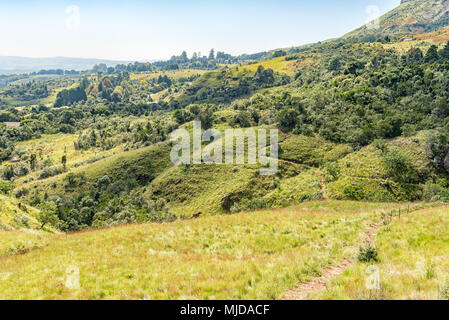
(411, 17)
(15, 215)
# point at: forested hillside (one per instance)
(359, 120)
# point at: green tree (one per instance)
(104, 182)
(335, 64)
(184, 57)
(69, 96)
(6, 187)
(432, 54)
(47, 214)
(33, 161)
(414, 56)
(64, 162)
(444, 53)
(8, 172)
(352, 68)
(398, 166)
(279, 53)
(211, 54)
(206, 116)
(287, 119)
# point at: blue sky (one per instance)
(147, 29)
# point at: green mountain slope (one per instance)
(411, 17)
(14, 215)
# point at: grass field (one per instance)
(277, 64)
(23, 241)
(254, 255)
(413, 262)
(174, 74)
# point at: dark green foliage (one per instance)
(353, 67)
(209, 62)
(354, 191)
(8, 172)
(67, 97)
(225, 86)
(203, 113)
(287, 119)
(48, 214)
(64, 161)
(415, 56)
(33, 160)
(112, 196)
(432, 54)
(367, 254)
(444, 53)
(31, 91)
(398, 166)
(382, 102)
(6, 187)
(335, 64)
(279, 53)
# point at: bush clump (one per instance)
(367, 254)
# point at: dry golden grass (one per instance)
(414, 262)
(439, 36)
(277, 64)
(256, 255)
(175, 74)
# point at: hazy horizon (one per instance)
(148, 31)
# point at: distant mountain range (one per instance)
(10, 65)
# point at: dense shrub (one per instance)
(51, 171)
(367, 254)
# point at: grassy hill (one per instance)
(141, 165)
(220, 257)
(413, 262)
(365, 173)
(16, 215)
(309, 168)
(20, 230)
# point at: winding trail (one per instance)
(319, 283)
